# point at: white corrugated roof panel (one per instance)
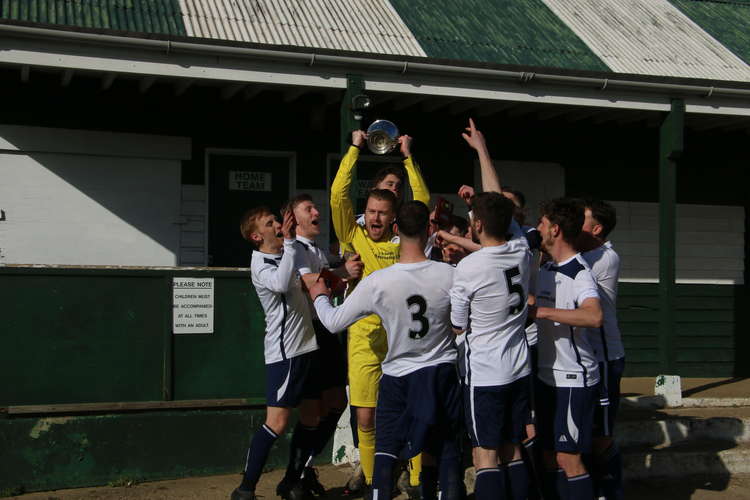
(364, 26)
(649, 37)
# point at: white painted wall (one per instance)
(710, 243)
(73, 197)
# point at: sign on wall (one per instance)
(243, 180)
(193, 305)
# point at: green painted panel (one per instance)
(81, 338)
(503, 31)
(74, 451)
(141, 16)
(228, 363)
(727, 21)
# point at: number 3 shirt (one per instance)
(488, 300)
(413, 302)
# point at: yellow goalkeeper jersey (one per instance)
(374, 254)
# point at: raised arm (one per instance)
(342, 208)
(475, 139)
(278, 279)
(416, 181)
(356, 306)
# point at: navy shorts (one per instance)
(418, 412)
(605, 412)
(332, 353)
(290, 381)
(565, 417)
(497, 414)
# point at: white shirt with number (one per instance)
(605, 268)
(413, 302)
(488, 300)
(566, 356)
(289, 330)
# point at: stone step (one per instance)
(668, 430)
(682, 460)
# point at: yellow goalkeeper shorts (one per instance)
(367, 348)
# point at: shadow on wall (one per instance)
(90, 198)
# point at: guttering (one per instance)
(398, 66)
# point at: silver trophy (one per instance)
(382, 137)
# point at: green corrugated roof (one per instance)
(144, 16)
(728, 21)
(521, 32)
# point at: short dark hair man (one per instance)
(567, 307)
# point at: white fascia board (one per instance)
(503, 91)
(129, 62)
(714, 106)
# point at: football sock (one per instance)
(611, 480)
(518, 479)
(257, 454)
(415, 467)
(428, 480)
(367, 452)
(327, 428)
(382, 481)
(489, 484)
(580, 487)
(563, 493)
(549, 485)
(529, 452)
(300, 449)
(451, 480)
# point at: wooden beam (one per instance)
(408, 101)
(25, 72)
(489, 108)
(146, 84)
(182, 85)
(554, 112)
(108, 80)
(130, 406)
(66, 77)
(251, 93)
(671, 145)
(434, 104)
(231, 90)
(292, 95)
(462, 106)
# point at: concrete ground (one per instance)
(692, 487)
(692, 387)
(220, 487)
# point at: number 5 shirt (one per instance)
(488, 300)
(413, 302)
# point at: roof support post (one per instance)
(355, 85)
(670, 153)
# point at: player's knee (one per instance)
(530, 431)
(484, 458)
(277, 419)
(510, 452)
(571, 463)
(366, 418)
(333, 400)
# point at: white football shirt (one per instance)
(289, 330)
(605, 268)
(413, 302)
(566, 357)
(488, 300)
